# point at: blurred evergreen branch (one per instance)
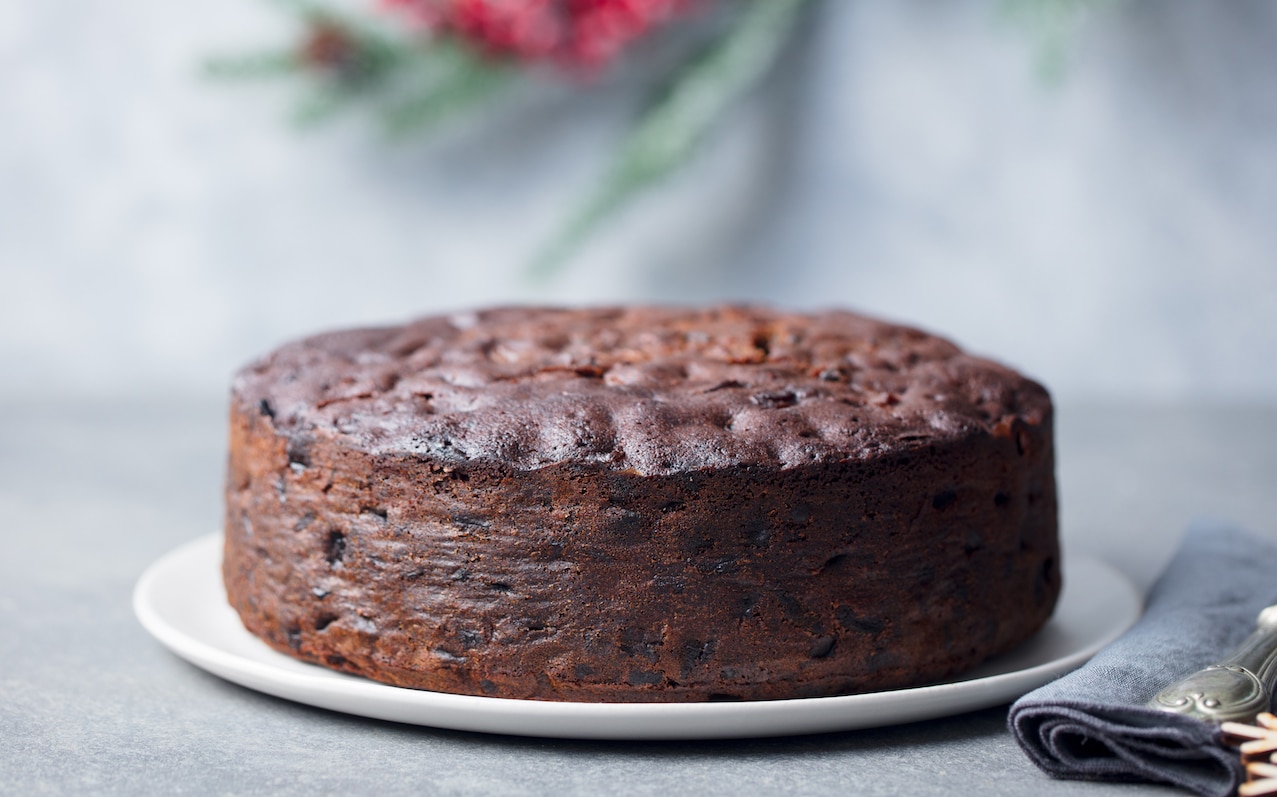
(669, 133)
(412, 82)
(252, 66)
(1054, 24)
(458, 79)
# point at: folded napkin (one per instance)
(1093, 724)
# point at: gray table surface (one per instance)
(90, 494)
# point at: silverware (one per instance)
(1237, 688)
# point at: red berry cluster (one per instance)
(581, 33)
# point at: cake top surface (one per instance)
(649, 389)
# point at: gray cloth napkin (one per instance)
(1092, 724)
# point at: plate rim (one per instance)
(617, 721)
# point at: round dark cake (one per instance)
(640, 504)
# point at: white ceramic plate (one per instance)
(181, 601)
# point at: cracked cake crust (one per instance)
(640, 504)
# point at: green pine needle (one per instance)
(1053, 23)
(376, 65)
(320, 105)
(669, 133)
(413, 84)
(311, 9)
(458, 79)
(251, 66)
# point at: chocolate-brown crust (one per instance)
(645, 504)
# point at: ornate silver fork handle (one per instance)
(1237, 688)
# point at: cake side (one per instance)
(797, 563)
(573, 584)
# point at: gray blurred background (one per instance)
(1113, 231)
